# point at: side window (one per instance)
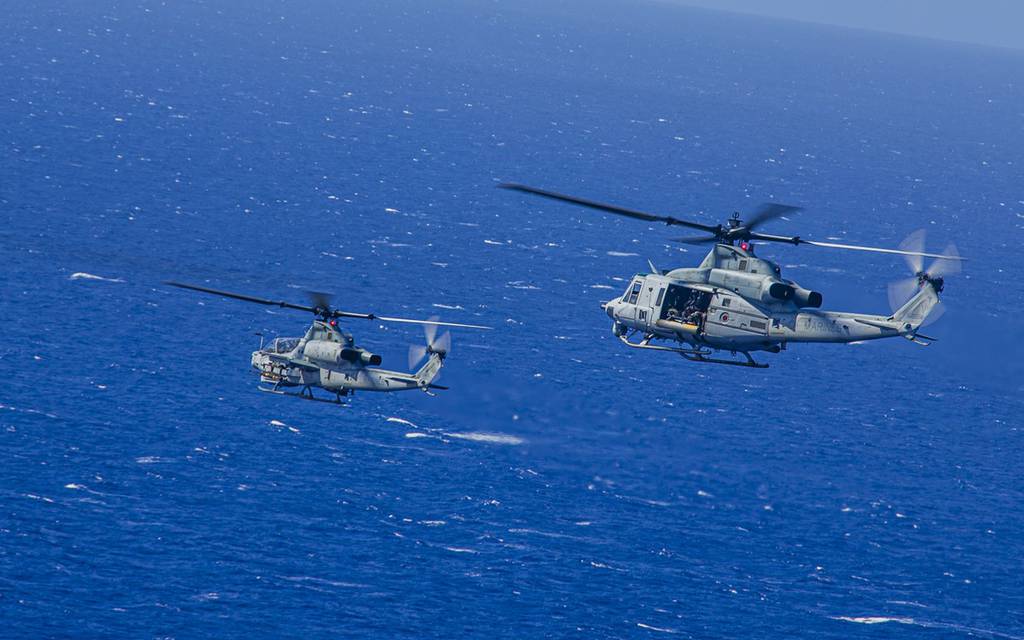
(661, 296)
(643, 316)
(743, 265)
(635, 292)
(726, 302)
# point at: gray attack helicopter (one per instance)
(740, 303)
(327, 356)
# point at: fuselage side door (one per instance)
(645, 303)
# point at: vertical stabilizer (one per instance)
(913, 314)
(428, 372)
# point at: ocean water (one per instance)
(565, 486)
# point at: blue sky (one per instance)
(990, 22)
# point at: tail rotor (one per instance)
(947, 264)
(440, 345)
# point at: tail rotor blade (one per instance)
(430, 330)
(443, 344)
(901, 291)
(416, 354)
(947, 265)
(935, 314)
(914, 243)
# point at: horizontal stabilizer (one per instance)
(881, 324)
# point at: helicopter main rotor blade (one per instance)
(609, 208)
(768, 211)
(320, 299)
(767, 237)
(797, 240)
(695, 240)
(854, 247)
(370, 316)
(333, 313)
(239, 296)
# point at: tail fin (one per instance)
(428, 372)
(913, 314)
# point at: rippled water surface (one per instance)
(565, 485)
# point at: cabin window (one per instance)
(661, 295)
(643, 316)
(635, 292)
(726, 302)
(743, 265)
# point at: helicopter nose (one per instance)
(609, 308)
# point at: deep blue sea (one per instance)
(565, 486)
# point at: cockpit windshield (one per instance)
(632, 292)
(281, 345)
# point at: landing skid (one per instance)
(736, 363)
(306, 394)
(696, 354)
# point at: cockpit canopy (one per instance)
(281, 345)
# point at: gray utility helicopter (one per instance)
(327, 357)
(737, 302)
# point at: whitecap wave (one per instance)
(494, 438)
(653, 628)
(873, 619)
(81, 275)
(323, 581)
